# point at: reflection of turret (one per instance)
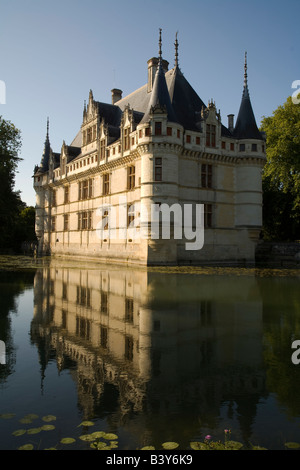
(140, 341)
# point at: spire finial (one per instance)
(47, 128)
(160, 43)
(176, 50)
(245, 74)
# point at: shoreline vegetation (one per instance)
(10, 262)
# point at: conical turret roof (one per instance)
(160, 94)
(246, 127)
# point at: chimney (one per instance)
(230, 122)
(152, 67)
(116, 95)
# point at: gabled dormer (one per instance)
(211, 125)
(90, 121)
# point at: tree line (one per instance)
(17, 220)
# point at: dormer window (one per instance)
(158, 127)
(210, 135)
(89, 135)
(102, 149)
(126, 138)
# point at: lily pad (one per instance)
(31, 416)
(34, 430)
(7, 415)
(47, 427)
(148, 448)
(100, 446)
(87, 437)
(87, 423)
(170, 445)
(233, 445)
(199, 446)
(25, 420)
(26, 447)
(67, 440)
(98, 434)
(49, 418)
(19, 432)
(292, 445)
(110, 436)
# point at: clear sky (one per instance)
(53, 52)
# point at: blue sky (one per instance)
(54, 52)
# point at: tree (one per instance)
(10, 201)
(281, 175)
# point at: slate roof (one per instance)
(246, 127)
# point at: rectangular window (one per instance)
(66, 222)
(207, 215)
(126, 138)
(188, 139)
(131, 177)
(85, 220)
(158, 128)
(147, 131)
(158, 169)
(206, 176)
(85, 189)
(103, 337)
(223, 144)
(53, 197)
(129, 309)
(242, 148)
(105, 184)
(130, 215)
(67, 195)
(104, 303)
(89, 135)
(254, 148)
(169, 131)
(53, 224)
(210, 135)
(129, 348)
(198, 140)
(102, 149)
(105, 216)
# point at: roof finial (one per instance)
(47, 128)
(246, 91)
(245, 74)
(159, 52)
(176, 50)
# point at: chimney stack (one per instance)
(230, 122)
(116, 95)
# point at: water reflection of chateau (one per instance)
(148, 342)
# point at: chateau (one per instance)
(159, 147)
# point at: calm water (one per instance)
(149, 355)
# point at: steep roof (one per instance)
(246, 127)
(160, 95)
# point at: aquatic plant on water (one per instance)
(101, 440)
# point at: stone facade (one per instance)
(158, 147)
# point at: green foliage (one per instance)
(281, 175)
